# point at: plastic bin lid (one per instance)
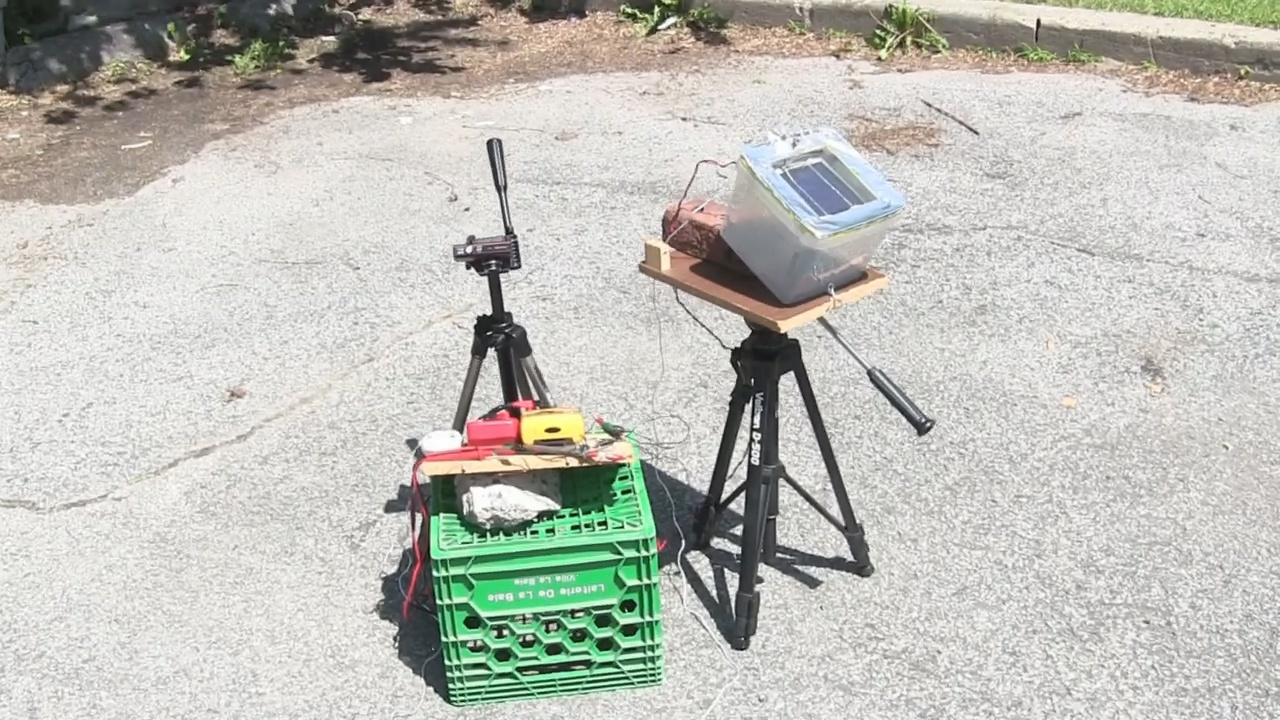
(813, 191)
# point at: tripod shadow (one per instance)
(715, 593)
(417, 638)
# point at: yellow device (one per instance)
(552, 425)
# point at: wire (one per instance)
(700, 323)
(415, 495)
(667, 231)
(422, 670)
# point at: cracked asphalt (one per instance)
(208, 387)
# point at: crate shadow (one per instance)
(675, 517)
(417, 638)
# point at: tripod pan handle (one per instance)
(497, 164)
(900, 402)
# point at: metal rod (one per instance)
(847, 347)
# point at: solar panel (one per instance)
(820, 187)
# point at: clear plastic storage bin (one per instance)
(807, 213)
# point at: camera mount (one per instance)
(497, 331)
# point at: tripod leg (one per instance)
(478, 351)
(769, 546)
(705, 519)
(522, 352)
(859, 553)
(507, 373)
(762, 465)
(539, 385)
(522, 382)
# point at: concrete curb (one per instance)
(1173, 44)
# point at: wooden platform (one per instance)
(743, 296)
(623, 452)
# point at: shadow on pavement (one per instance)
(417, 639)
(716, 593)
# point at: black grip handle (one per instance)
(900, 402)
(497, 164)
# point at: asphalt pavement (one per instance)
(207, 388)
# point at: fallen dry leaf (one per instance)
(1069, 401)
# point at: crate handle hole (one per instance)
(471, 622)
(628, 606)
(550, 668)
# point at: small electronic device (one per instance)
(550, 426)
(807, 213)
(498, 427)
(497, 431)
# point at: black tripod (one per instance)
(497, 331)
(760, 362)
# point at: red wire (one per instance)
(415, 494)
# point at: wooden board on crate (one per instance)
(620, 453)
(746, 297)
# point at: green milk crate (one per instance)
(567, 605)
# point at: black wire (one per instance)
(699, 321)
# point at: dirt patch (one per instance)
(890, 138)
(106, 137)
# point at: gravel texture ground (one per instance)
(209, 382)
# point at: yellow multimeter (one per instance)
(548, 426)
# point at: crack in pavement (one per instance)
(121, 492)
(1132, 257)
(1254, 278)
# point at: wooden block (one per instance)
(657, 255)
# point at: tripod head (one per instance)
(493, 256)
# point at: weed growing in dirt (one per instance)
(1032, 53)
(906, 28)
(665, 14)
(1079, 56)
(263, 53)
